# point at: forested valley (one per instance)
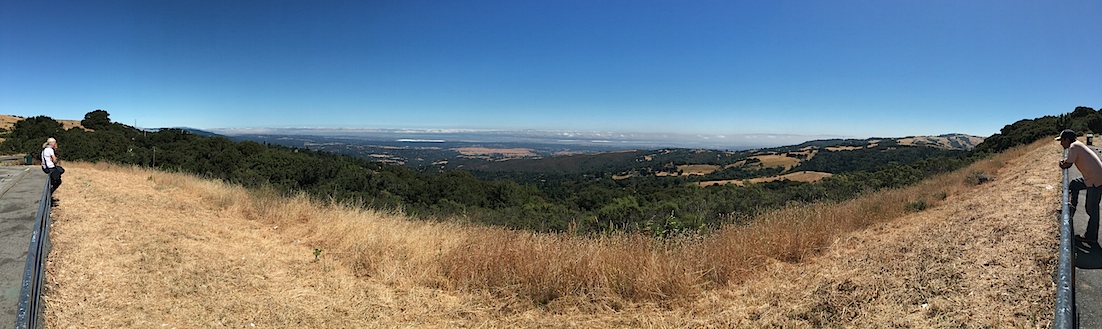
(624, 194)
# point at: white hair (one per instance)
(48, 141)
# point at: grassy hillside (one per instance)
(7, 122)
(637, 191)
(666, 162)
(141, 248)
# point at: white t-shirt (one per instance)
(48, 157)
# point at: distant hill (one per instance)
(7, 122)
(436, 155)
(738, 165)
(950, 141)
(946, 141)
(199, 132)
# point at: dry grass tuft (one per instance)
(140, 248)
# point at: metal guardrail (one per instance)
(30, 298)
(1065, 268)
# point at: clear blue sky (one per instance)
(850, 68)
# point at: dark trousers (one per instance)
(55, 177)
(1094, 196)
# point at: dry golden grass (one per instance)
(777, 160)
(799, 176)
(807, 153)
(8, 121)
(697, 169)
(937, 141)
(508, 152)
(845, 148)
(138, 248)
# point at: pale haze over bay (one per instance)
(612, 140)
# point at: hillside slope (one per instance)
(983, 259)
(7, 122)
(139, 248)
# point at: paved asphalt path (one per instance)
(20, 193)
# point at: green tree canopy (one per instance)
(27, 135)
(96, 120)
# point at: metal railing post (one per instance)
(1065, 271)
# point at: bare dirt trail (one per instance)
(134, 248)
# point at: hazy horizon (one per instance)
(613, 139)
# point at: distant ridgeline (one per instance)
(660, 192)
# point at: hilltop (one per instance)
(189, 252)
(8, 121)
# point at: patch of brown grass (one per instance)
(777, 160)
(508, 152)
(697, 169)
(846, 148)
(982, 258)
(139, 248)
(8, 122)
(799, 176)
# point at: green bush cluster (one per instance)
(1083, 120)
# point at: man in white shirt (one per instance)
(1090, 166)
(49, 164)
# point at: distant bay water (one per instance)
(614, 140)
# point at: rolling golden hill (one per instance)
(8, 121)
(139, 248)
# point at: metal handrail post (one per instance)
(1065, 271)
